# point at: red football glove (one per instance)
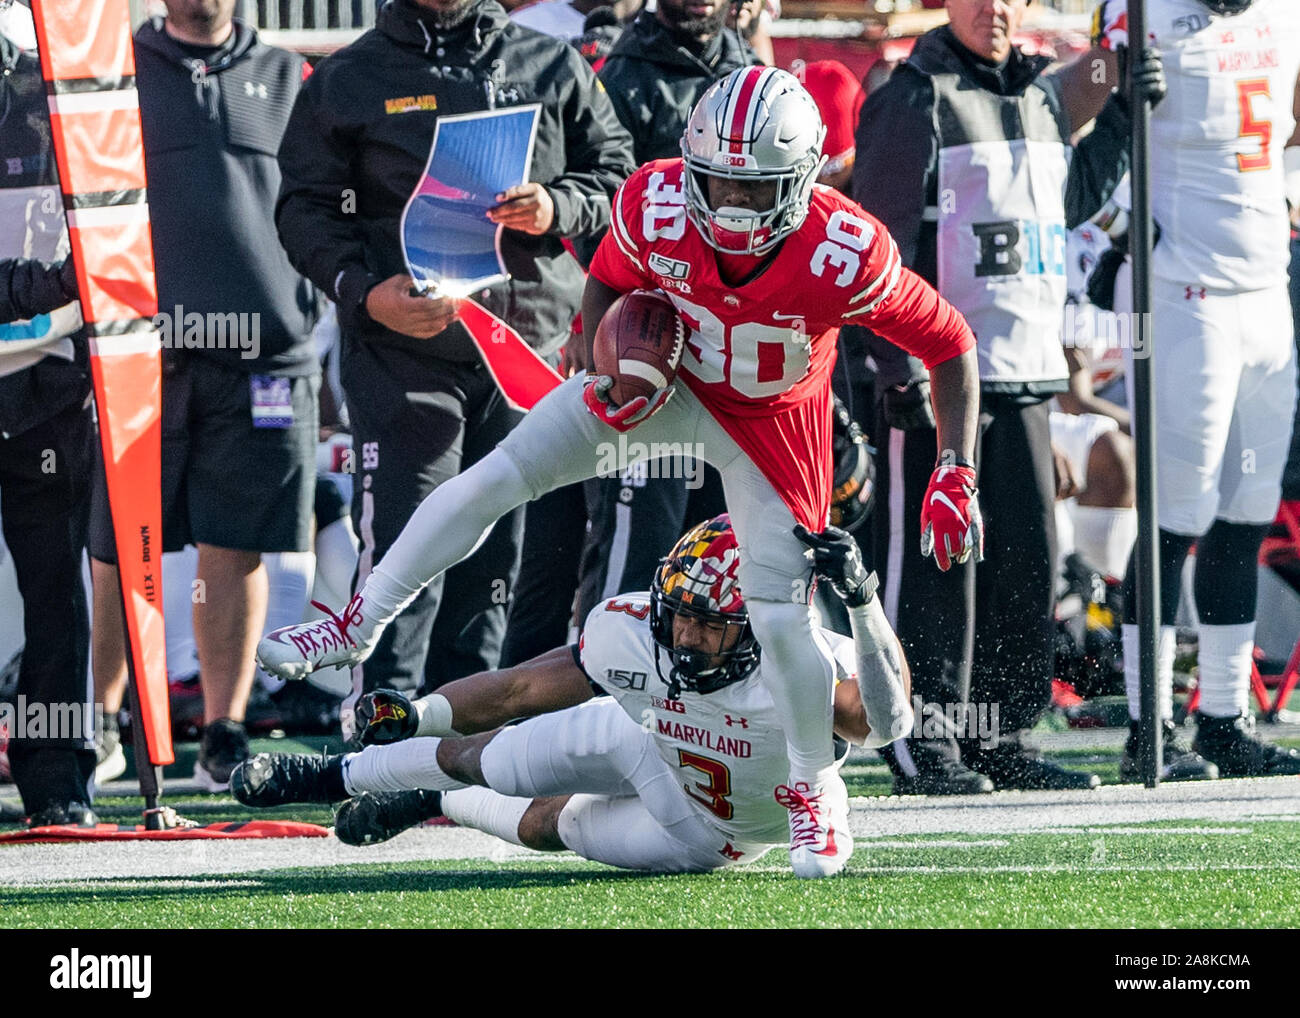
(595, 393)
(951, 526)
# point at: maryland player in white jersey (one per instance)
(1224, 358)
(763, 267)
(673, 770)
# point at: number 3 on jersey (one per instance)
(716, 791)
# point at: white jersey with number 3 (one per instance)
(1217, 138)
(728, 747)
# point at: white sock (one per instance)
(1223, 660)
(446, 527)
(1165, 648)
(433, 715)
(1104, 537)
(288, 579)
(487, 811)
(799, 676)
(412, 763)
(336, 561)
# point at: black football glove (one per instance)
(1145, 79)
(838, 560)
(907, 407)
(384, 716)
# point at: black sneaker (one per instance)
(224, 747)
(934, 773)
(274, 779)
(372, 817)
(60, 814)
(1012, 766)
(1232, 744)
(1178, 763)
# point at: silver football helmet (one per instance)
(757, 124)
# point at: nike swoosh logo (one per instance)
(939, 496)
(830, 843)
(778, 317)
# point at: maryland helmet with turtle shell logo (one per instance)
(699, 579)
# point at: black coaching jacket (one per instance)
(928, 106)
(654, 81)
(358, 140)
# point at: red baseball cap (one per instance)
(839, 97)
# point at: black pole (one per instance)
(148, 775)
(1144, 405)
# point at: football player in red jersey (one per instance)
(764, 267)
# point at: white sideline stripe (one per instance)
(1143, 831)
(127, 884)
(1079, 868)
(640, 369)
(936, 843)
(126, 344)
(109, 215)
(1085, 867)
(95, 102)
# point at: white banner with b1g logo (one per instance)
(1001, 253)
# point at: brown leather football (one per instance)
(639, 344)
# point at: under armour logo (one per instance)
(743, 722)
(258, 89)
(729, 852)
(1194, 293)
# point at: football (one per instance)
(639, 344)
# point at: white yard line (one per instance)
(1107, 811)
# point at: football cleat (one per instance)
(383, 717)
(1011, 766)
(820, 842)
(275, 779)
(372, 817)
(1232, 744)
(1177, 762)
(293, 652)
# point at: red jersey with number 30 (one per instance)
(759, 355)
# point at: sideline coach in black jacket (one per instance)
(422, 404)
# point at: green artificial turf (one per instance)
(1184, 874)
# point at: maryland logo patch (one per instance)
(410, 104)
